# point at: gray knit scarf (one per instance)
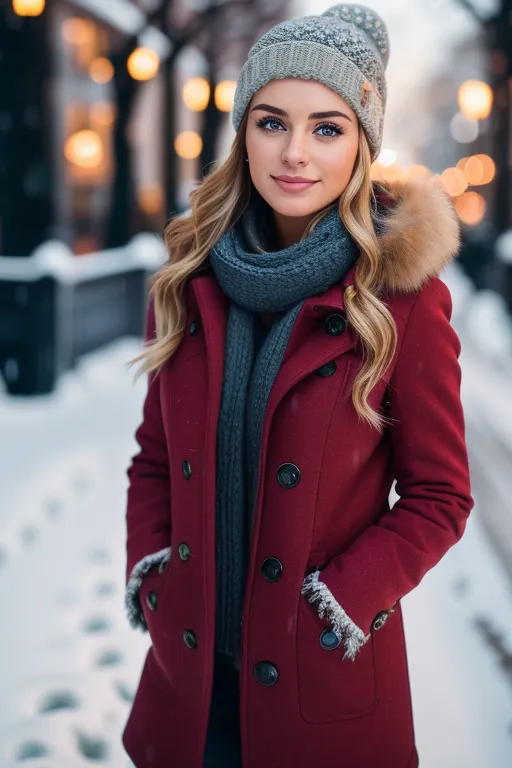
(257, 282)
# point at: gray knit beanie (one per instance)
(346, 49)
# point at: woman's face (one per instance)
(300, 129)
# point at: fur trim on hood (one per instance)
(420, 234)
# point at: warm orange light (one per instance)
(196, 94)
(392, 173)
(101, 70)
(102, 113)
(418, 172)
(471, 208)
(143, 64)
(188, 145)
(151, 199)
(454, 181)
(224, 95)
(480, 169)
(77, 31)
(475, 99)
(84, 149)
(28, 7)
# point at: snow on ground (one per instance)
(70, 662)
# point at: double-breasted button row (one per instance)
(266, 673)
(288, 475)
(329, 640)
(327, 370)
(194, 327)
(272, 569)
(190, 639)
(335, 324)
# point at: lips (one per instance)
(293, 183)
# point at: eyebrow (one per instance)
(313, 115)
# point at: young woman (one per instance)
(300, 358)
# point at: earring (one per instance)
(246, 159)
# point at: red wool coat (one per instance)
(322, 710)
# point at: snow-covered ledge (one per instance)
(53, 258)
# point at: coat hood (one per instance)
(420, 233)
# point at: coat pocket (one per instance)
(166, 654)
(331, 689)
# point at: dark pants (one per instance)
(223, 748)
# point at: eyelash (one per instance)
(266, 120)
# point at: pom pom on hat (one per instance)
(367, 20)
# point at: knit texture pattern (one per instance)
(346, 49)
(256, 282)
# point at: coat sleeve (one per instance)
(148, 519)
(359, 587)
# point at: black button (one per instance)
(184, 551)
(328, 369)
(329, 640)
(190, 639)
(266, 673)
(272, 569)
(335, 324)
(288, 475)
(380, 620)
(194, 327)
(151, 600)
(186, 469)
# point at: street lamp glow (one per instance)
(471, 208)
(475, 99)
(143, 64)
(84, 149)
(454, 181)
(196, 94)
(225, 95)
(188, 145)
(101, 70)
(28, 7)
(387, 157)
(78, 31)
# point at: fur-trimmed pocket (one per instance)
(331, 689)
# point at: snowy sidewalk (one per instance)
(70, 661)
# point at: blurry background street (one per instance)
(110, 113)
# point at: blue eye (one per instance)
(268, 121)
(273, 125)
(337, 131)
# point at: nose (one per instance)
(295, 151)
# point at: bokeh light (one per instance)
(84, 149)
(225, 95)
(475, 99)
(454, 181)
(28, 7)
(101, 70)
(470, 207)
(143, 64)
(188, 145)
(196, 94)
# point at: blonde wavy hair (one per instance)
(216, 205)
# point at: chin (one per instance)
(293, 206)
